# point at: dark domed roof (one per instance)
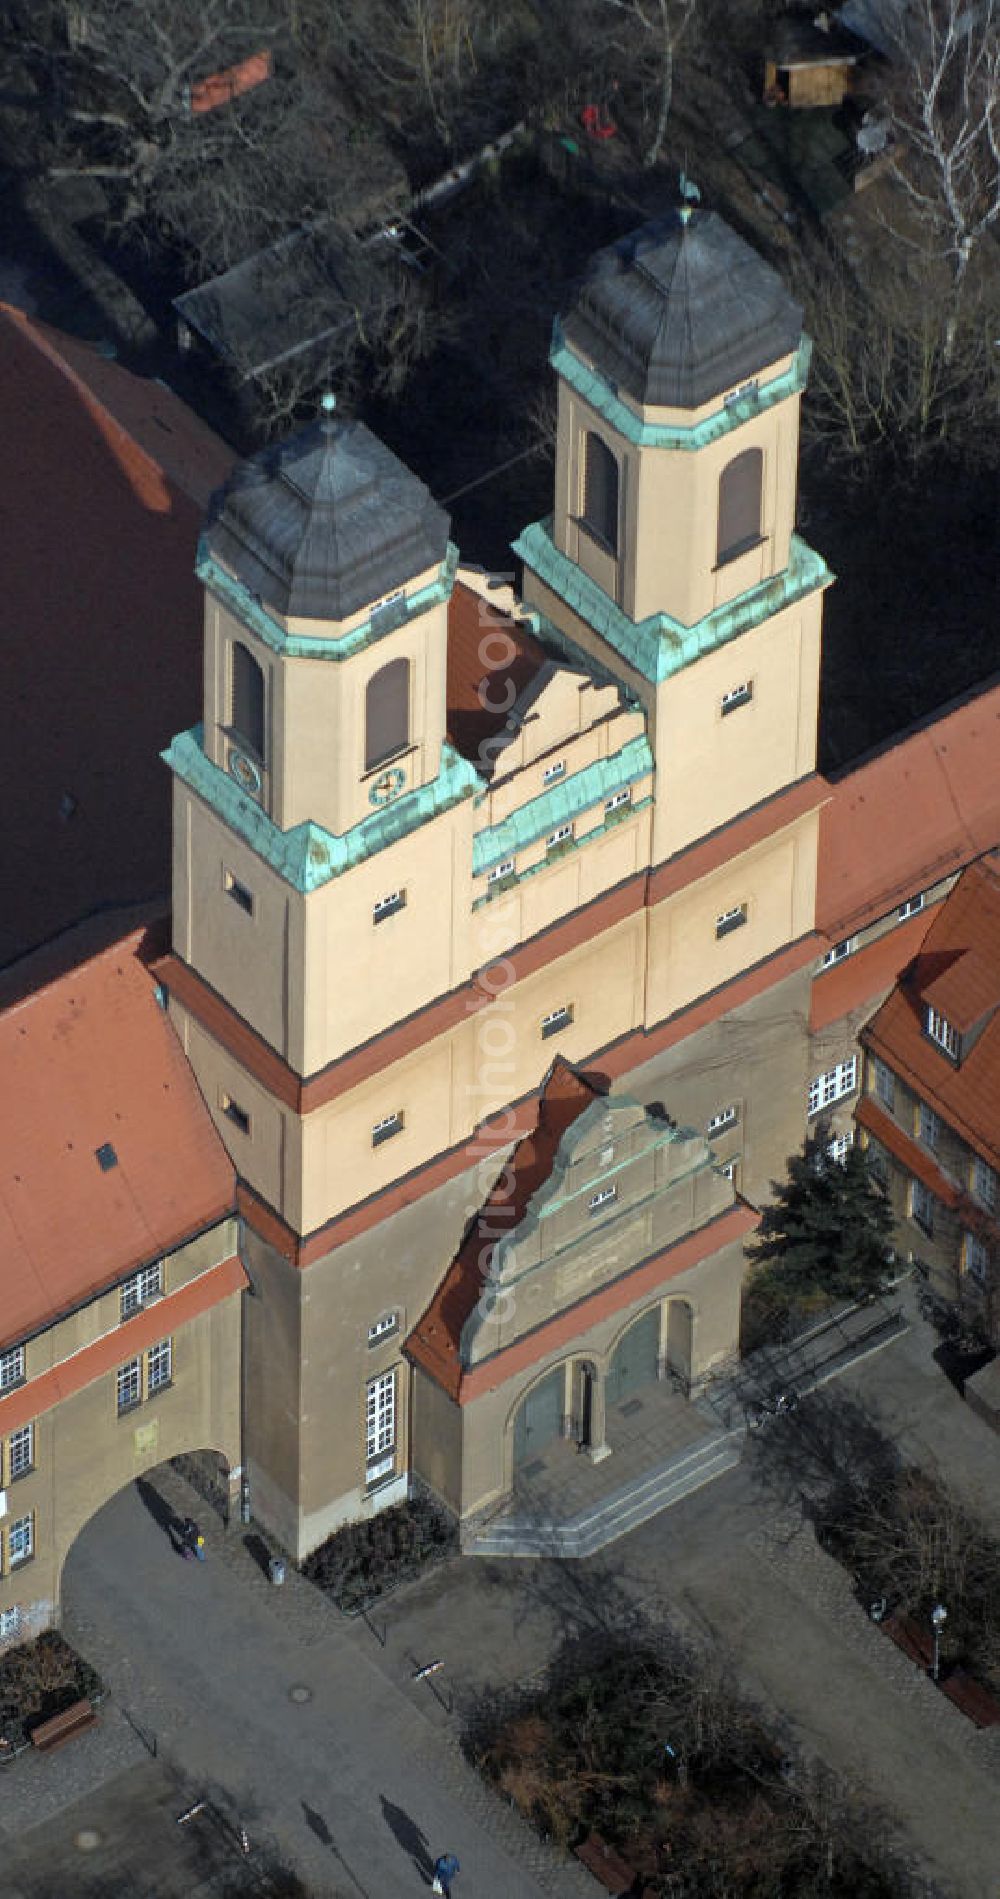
(325, 523)
(682, 310)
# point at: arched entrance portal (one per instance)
(539, 1417)
(635, 1361)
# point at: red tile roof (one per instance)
(958, 967)
(921, 809)
(435, 1343)
(103, 482)
(87, 1061)
(864, 978)
(492, 658)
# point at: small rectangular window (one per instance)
(885, 1085)
(941, 1031)
(722, 1119)
(234, 1113)
(552, 772)
(602, 1199)
(21, 1540)
(560, 836)
(21, 1451)
(557, 1019)
(729, 1170)
(384, 1130)
(841, 1145)
(910, 907)
(839, 951)
(10, 1623)
(241, 896)
(499, 871)
(159, 1366)
(12, 1367)
(731, 920)
(985, 1184)
(922, 1206)
(928, 1125)
(977, 1258)
(141, 1288)
(380, 1419)
(833, 1085)
(388, 906)
(620, 799)
(129, 1385)
(384, 1328)
(737, 696)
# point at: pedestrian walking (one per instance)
(445, 1869)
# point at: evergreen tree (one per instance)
(827, 1229)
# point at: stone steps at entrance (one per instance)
(532, 1532)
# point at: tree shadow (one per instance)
(408, 1835)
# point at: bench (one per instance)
(609, 1869)
(62, 1727)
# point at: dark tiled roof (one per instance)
(327, 522)
(681, 311)
(958, 970)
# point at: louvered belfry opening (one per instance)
(600, 492)
(248, 700)
(387, 712)
(740, 487)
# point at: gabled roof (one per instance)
(916, 812)
(108, 1154)
(436, 1341)
(957, 972)
(103, 479)
(493, 661)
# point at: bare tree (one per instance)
(656, 26)
(946, 110)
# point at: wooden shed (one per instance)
(809, 62)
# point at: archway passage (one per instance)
(635, 1359)
(539, 1419)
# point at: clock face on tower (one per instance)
(387, 786)
(245, 772)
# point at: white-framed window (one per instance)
(722, 1119)
(234, 1113)
(383, 1328)
(885, 1084)
(878, 1163)
(620, 798)
(985, 1184)
(833, 1085)
(838, 951)
(910, 907)
(561, 835)
(159, 1365)
(552, 772)
(141, 1288)
(12, 1367)
(942, 1032)
(10, 1623)
(241, 895)
(389, 1125)
(977, 1258)
(21, 1539)
(20, 1452)
(506, 869)
(730, 1169)
(737, 696)
(129, 1385)
(731, 920)
(380, 1418)
(922, 1206)
(556, 1019)
(388, 906)
(841, 1145)
(603, 1198)
(928, 1125)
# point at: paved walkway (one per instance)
(268, 1694)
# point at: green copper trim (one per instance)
(560, 804)
(660, 646)
(498, 890)
(243, 604)
(309, 856)
(601, 395)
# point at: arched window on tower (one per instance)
(387, 712)
(740, 487)
(600, 492)
(247, 717)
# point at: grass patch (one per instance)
(366, 1560)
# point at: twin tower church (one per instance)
(494, 920)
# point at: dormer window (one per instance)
(942, 1032)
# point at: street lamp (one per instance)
(939, 1616)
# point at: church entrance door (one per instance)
(635, 1359)
(540, 1418)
